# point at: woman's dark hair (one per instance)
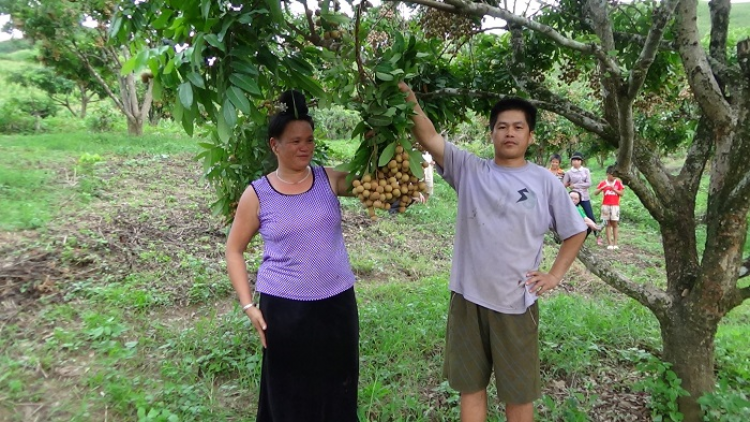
(577, 193)
(514, 103)
(294, 107)
(555, 157)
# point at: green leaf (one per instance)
(298, 64)
(275, 7)
(310, 85)
(246, 83)
(188, 120)
(230, 113)
(169, 68)
(114, 27)
(128, 66)
(223, 129)
(158, 90)
(245, 67)
(376, 121)
(206, 8)
(185, 92)
(336, 18)
(213, 39)
(163, 19)
(196, 79)
(415, 163)
(386, 77)
(237, 97)
(387, 154)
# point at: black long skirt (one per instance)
(310, 368)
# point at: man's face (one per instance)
(511, 135)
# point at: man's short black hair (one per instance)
(611, 170)
(514, 103)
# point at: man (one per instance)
(505, 206)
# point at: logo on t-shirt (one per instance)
(528, 198)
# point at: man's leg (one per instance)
(474, 406)
(519, 412)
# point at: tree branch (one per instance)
(638, 39)
(559, 106)
(147, 99)
(650, 200)
(696, 158)
(98, 78)
(481, 9)
(719, 10)
(741, 192)
(698, 71)
(661, 18)
(651, 297)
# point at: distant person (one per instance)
(505, 206)
(554, 166)
(307, 318)
(612, 189)
(579, 178)
(575, 196)
(428, 176)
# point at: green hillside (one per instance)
(739, 17)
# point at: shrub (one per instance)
(103, 119)
(335, 122)
(14, 121)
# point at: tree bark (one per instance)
(688, 342)
(135, 126)
(84, 101)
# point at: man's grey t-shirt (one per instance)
(503, 214)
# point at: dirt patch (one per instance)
(143, 205)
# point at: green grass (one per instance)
(146, 326)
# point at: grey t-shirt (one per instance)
(503, 214)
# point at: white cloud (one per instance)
(4, 35)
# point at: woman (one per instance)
(554, 166)
(579, 178)
(307, 318)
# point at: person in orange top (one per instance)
(554, 166)
(612, 188)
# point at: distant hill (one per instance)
(739, 17)
(14, 45)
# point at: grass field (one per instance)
(116, 305)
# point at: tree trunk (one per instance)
(135, 126)
(84, 101)
(689, 346)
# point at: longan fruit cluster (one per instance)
(390, 183)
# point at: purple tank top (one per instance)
(304, 256)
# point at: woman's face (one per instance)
(295, 147)
(574, 198)
(576, 163)
(554, 163)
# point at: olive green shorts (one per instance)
(480, 340)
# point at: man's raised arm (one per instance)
(423, 130)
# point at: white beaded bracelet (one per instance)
(248, 306)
